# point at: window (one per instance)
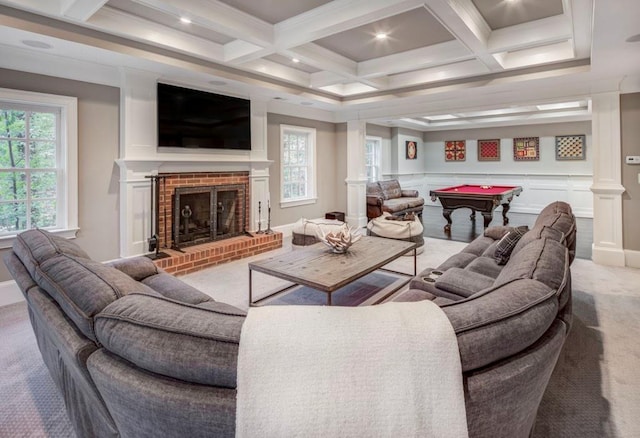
(38, 161)
(372, 157)
(298, 158)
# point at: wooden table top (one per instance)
(317, 267)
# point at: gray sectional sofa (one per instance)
(511, 319)
(138, 353)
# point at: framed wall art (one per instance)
(489, 150)
(526, 149)
(411, 150)
(455, 150)
(570, 147)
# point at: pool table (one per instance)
(482, 198)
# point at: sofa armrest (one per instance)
(463, 282)
(374, 200)
(137, 268)
(409, 193)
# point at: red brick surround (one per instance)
(197, 257)
(198, 179)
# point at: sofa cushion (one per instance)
(390, 189)
(463, 283)
(83, 287)
(536, 233)
(544, 260)
(507, 243)
(478, 246)
(485, 266)
(497, 232)
(137, 268)
(459, 260)
(399, 204)
(35, 246)
(373, 189)
(500, 322)
(198, 344)
(175, 289)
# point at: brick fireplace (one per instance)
(203, 218)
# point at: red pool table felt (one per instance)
(476, 189)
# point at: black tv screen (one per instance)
(190, 118)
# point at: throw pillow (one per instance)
(507, 243)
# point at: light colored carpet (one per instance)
(594, 391)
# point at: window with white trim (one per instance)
(373, 146)
(298, 162)
(38, 164)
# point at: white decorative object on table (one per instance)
(339, 241)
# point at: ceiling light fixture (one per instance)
(295, 60)
(185, 20)
(37, 44)
(381, 36)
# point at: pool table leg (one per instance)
(447, 215)
(505, 209)
(487, 218)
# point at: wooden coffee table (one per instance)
(317, 267)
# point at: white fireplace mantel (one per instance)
(191, 164)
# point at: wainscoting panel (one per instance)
(538, 190)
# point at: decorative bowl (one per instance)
(340, 240)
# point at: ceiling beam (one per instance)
(119, 23)
(80, 10)
(443, 53)
(218, 17)
(336, 17)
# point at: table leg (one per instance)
(473, 215)
(250, 291)
(447, 215)
(487, 218)
(505, 209)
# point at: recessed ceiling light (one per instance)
(381, 36)
(306, 103)
(217, 82)
(633, 39)
(185, 20)
(37, 44)
(295, 60)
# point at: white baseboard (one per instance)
(632, 258)
(10, 293)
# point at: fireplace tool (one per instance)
(154, 240)
(260, 219)
(269, 230)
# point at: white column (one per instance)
(259, 174)
(356, 174)
(138, 139)
(607, 180)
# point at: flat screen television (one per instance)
(189, 118)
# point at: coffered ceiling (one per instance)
(354, 58)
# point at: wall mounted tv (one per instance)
(190, 118)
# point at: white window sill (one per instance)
(298, 202)
(7, 241)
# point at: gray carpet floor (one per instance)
(594, 391)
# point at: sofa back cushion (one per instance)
(544, 260)
(373, 189)
(391, 189)
(80, 286)
(197, 344)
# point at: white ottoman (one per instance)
(306, 231)
(411, 231)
